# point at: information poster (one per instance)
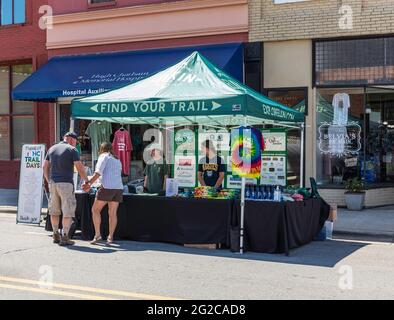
(220, 140)
(273, 170)
(185, 171)
(274, 158)
(275, 141)
(31, 184)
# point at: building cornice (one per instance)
(167, 7)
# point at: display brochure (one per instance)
(171, 187)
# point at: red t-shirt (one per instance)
(122, 148)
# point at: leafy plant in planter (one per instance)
(355, 194)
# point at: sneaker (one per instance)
(56, 237)
(65, 241)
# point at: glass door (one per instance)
(379, 135)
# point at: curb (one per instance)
(8, 209)
(14, 210)
(380, 235)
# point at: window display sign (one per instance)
(30, 184)
(273, 170)
(185, 170)
(340, 140)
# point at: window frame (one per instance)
(345, 85)
(10, 115)
(13, 23)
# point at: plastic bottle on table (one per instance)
(253, 192)
(277, 194)
(247, 192)
(259, 193)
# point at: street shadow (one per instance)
(318, 253)
(99, 249)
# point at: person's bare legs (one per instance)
(67, 221)
(55, 220)
(113, 218)
(96, 213)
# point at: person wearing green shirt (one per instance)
(156, 172)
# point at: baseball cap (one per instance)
(71, 134)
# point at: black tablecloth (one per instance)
(273, 227)
(175, 220)
(270, 227)
(265, 227)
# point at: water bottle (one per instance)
(277, 194)
(259, 193)
(247, 192)
(272, 193)
(253, 192)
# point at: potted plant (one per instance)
(355, 194)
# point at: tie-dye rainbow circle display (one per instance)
(246, 146)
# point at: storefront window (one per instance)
(19, 113)
(19, 74)
(4, 138)
(379, 136)
(22, 133)
(4, 90)
(292, 98)
(354, 62)
(340, 119)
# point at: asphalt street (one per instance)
(31, 267)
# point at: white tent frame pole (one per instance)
(302, 156)
(242, 222)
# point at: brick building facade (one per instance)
(318, 19)
(316, 50)
(23, 50)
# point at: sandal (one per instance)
(95, 240)
(110, 241)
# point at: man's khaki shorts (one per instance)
(62, 199)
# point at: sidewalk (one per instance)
(370, 222)
(9, 201)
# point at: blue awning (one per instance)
(83, 75)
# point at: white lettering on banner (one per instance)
(82, 92)
(155, 107)
(276, 112)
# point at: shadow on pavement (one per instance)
(318, 253)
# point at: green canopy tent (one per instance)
(192, 92)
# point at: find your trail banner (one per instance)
(30, 184)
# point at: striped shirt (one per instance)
(110, 171)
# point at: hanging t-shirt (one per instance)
(99, 132)
(341, 104)
(247, 145)
(122, 148)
